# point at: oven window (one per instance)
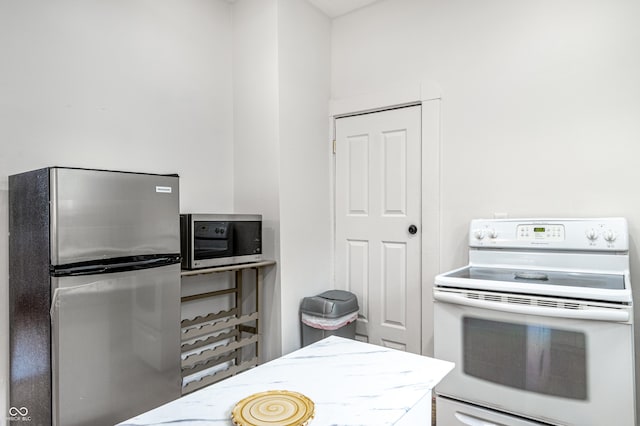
(531, 357)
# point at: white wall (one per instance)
(256, 148)
(540, 100)
(202, 88)
(136, 85)
(305, 152)
(540, 104)
(281, 167)
(133, 85)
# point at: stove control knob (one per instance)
(478, 234)
(609, 235)
(592, 234)
(493, 234)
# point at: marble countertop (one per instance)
(350, 382)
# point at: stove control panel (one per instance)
(540, 232)
(601, 234)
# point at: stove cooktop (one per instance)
(553, 278)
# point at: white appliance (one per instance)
(539, 325)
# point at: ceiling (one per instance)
(335, 8)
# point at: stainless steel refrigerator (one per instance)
(94, 289)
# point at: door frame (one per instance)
(427, 94)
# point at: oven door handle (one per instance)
(595, 314)
(473, 421)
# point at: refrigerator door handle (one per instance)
(115, 265)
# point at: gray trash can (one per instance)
(332, 313)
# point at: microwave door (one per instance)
(207, 252)
(247, 238)
(212, 240)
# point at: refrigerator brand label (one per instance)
(164, 189)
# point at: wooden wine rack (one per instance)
(238, 329)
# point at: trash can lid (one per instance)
(330, 304)
(340, 295)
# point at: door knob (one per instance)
(413, 229)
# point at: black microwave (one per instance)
(208, 240)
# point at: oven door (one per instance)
(563, 364)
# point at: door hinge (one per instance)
(334, 146)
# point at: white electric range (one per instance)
(539, 325)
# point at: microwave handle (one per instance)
(595, 314)
(473, 421)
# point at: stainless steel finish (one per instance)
(115, 344)
(256, 266)
(205, 263)
(53, 218)
(226, 217)
(208, 263)
(99, 214)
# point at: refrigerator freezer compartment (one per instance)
(98, 214)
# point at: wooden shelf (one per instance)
(242, 330)
(187, 347)
(203, 330)
(195, 359)
(191, 272)
(212, 362)
(186, 323)
(220, 375)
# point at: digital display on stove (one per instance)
(538, 229)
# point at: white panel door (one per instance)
(378, 199)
